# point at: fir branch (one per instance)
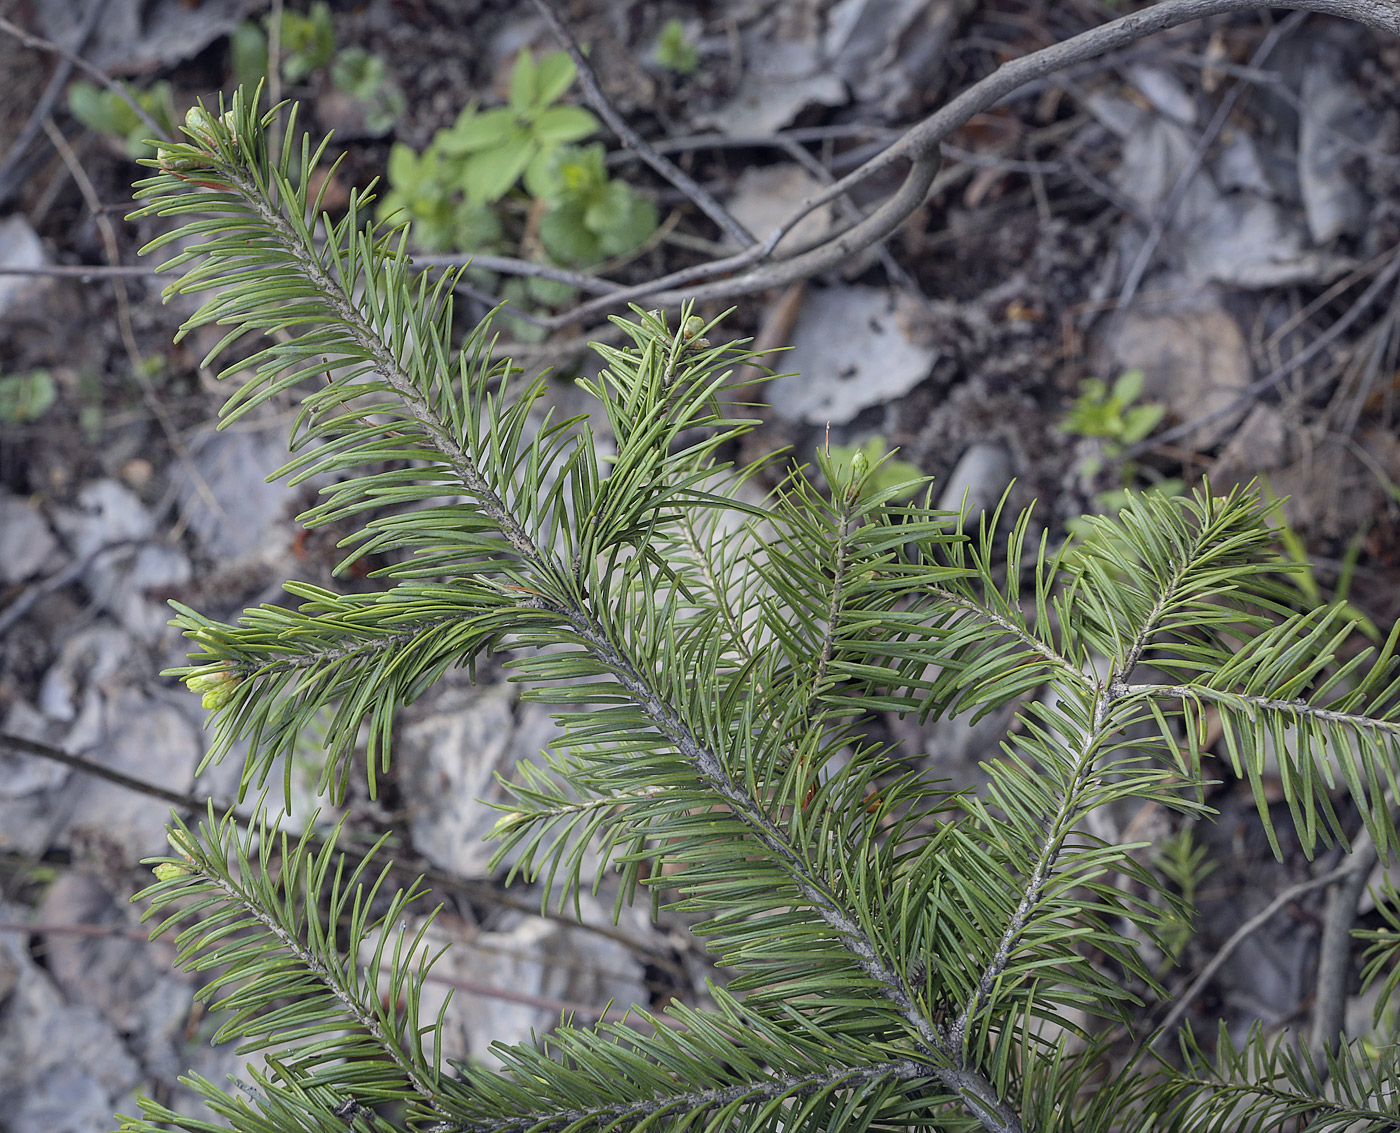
(1301, 710)
(693, 1104)
(260, 906)
(1057, 830)
(387, 367)
(938, 1044)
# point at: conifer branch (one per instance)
(1301, 710)
(693, 1103)
(970, 1086)
(387, 367)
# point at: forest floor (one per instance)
(1216, 208)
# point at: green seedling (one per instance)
(674, 49)
(422, 191)
(305, 44)
(591, 216)
(448, 191)
(365, 78)
(26, 397)
(106, 112)
(493, 149)
(1111, 416)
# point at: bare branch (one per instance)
(39, 43)
(10, 175)
(1238, 937)
(634, 141)
(920, 143)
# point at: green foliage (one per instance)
(1110, 415)
(903, 955)
(106, 112)
(675, 51)
(493, 149)
(365, 78)
(591, 216)
(1115, 423)
(449, 189)
(423, 192)
(305, 44)
(26, 397)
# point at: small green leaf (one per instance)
(550, 292)
(247, 47)
(474, 227)
(556, 73)
(477, 130)
(566, 237)
(522, 83)
(674, 51)
(358, 73)
(631, 221)
(101, 110)
(1128, 388)
(561, 124)
(405, 167)
(26, 397)
(490, 174)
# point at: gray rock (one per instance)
(26, 541)
(243, 514)
(62, 1066)
(448, 754)
(852, 347)
(1333, 113)
(981, 475)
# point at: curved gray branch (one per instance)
(919, 145)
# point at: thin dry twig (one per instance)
(182, 799)
(668, 169)
(919, 146)
(10, 175)
(1271, 379)
(39, 43)
(1334, 953)
(1238, 937)
(474, 888)
(124, 325)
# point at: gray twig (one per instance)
(1334, 954)
(919, 145)
(1271, 379)
(668, 169)
(10, 164)
(39, 43)
(1238, 937)
(184, 800)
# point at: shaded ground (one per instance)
(1218, 207)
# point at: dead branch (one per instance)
(919, 146)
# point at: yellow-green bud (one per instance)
(197, 121)
(217, 685)
(206, 128)
(860, 465)
(169, 871)
(179, 163)
(181, 842)
(690, 333)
